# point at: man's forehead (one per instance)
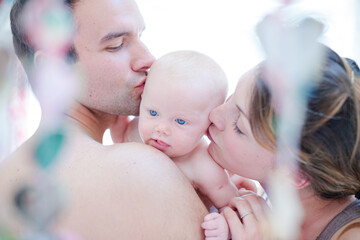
(93, 11)
(99, 18)
(111, 4)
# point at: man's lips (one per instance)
(158, 144)
(141, 84)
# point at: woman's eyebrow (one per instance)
(242, 111)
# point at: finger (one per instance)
(246, 213)
(260, 209)
(210, 233)
(234, 223)
(257, 203)
(245, 192)
(211, 216)
(242, 182)
(210, 225)
(211, 238)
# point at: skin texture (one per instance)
(94, 197)
(230, 118)
(117, 63)
(174, 112)
(241, 154)
(111, 192)
(174, 100)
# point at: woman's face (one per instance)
(232, 143)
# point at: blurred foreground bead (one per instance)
(293, 63)
(48, 25)
(43, 235)
(49, 147)
(6, 236)
(39, 204)
(4, 63)
(39, 235)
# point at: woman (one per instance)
(244, 142)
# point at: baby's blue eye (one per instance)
(153, 113)
(180, 121)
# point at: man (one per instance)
(124, 191)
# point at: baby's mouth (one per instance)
(158, 144)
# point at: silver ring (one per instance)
(246, 214)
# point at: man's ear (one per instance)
(300, 180)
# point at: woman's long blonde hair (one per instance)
(329, 153)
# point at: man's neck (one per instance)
(318, 213)
(92, 122)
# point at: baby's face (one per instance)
(173, 117)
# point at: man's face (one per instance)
(110, 51)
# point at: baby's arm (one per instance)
(125, 130)
(213, 181)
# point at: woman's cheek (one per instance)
(231, 145)
(231, 152)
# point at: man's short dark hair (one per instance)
(23, 49)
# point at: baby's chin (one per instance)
(176, 155)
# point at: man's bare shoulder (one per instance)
(138, 193)
(136, 157)
(123, 191)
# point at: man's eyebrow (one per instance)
(112, 35)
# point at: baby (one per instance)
(181, 89)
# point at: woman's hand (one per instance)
(242, 182)
(246, 217)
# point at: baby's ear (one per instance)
(300, 180)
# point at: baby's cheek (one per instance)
(186, 142)
(144, 130)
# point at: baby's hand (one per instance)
(215, 227)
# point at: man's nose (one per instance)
(142, 59)
(216, 117)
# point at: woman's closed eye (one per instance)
(237, 129)
(180, 121)
(153, 113)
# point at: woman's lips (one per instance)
(158, 144)
(209, 135)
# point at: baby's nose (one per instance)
(162, 129)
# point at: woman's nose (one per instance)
(162, 129)
(216, 117)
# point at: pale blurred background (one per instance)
(224, 30)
